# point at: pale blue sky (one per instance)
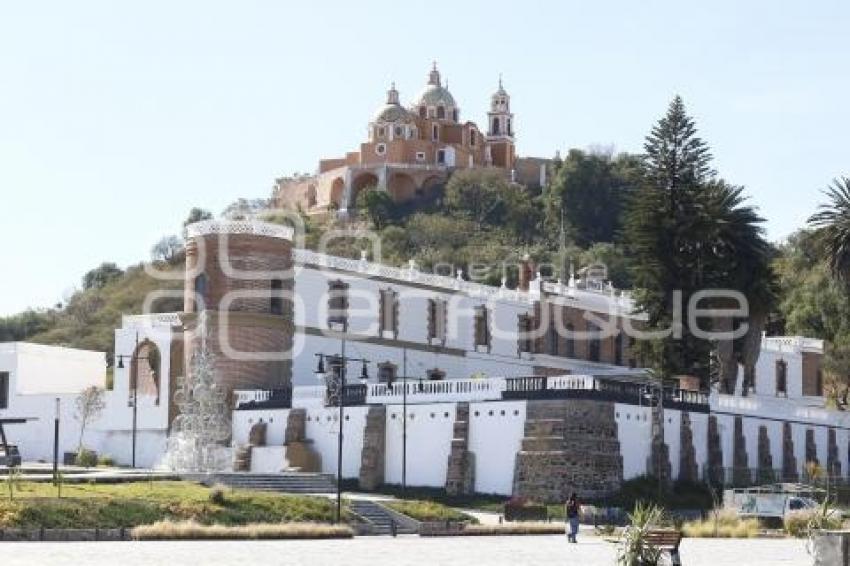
(117, 117)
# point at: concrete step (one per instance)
(289, 482)
(380, 520)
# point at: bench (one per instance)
(666, 540)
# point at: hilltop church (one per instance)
(411, 151)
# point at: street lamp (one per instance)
(421, 387)
(336, 384)
(56, 443)
(134, 359)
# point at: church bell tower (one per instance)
(500, 130)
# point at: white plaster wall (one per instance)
(51, 369)
(495, 440)
(726, 429)
(798, 433)
(429, 436)
(268, 459)
(322, 430)
(673, 438)
(634, 431)
(275, 420)
(699, 428)
(750, 429)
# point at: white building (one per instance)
(32, 378)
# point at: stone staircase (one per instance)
(287, 482)
(569, 445)
(380, 519)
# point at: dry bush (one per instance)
(727, 525)
(524, 528)
(171, 530)
(800, 523)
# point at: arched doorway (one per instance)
(402, 187)
(337, 192)
(145, 370)
(360, 182)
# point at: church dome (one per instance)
(434, 93)
(392, 111)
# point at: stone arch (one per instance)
(360, 182)
(402, 187)
(337, 192)
(146, 370)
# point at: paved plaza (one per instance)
(412, 550)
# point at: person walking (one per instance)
(572, 511)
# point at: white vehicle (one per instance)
(769, 501)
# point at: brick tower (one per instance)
(239, 273)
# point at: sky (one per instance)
(117, 117)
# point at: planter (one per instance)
(830, 548)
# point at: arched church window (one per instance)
(399, 132)
(441, 112)
(435, 132)
(509, 127)
(496, 126)
(472, 137)
(454, 114)
(423, 111)
(380, 132)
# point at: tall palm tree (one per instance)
(832, 222)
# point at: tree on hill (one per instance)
(168, 249)
(196, 215)
(589, 192)
(101, 276)
(477, 195)
(377, 205)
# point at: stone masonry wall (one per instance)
(688, 468)
(740, 460)
(715, 452)
(373, 455)
(789, 462)
(569, 446)
(765, 460)
(460, 473)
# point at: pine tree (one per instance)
(664, 234)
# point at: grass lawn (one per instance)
(428, 511)
(36, 505)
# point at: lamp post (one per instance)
(336, 383)
(134, 360)
(56, 443)
(404, 378)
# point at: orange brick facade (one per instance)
(244, 283)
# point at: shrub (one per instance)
(727, 524)
(217, 495)
(86, 458)
(107, 461)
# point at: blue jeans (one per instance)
(573, 521)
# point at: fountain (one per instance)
(202, 426)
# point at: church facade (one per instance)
(411, 151)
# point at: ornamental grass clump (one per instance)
(189, 530)
(635, 548)
(725, 524)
